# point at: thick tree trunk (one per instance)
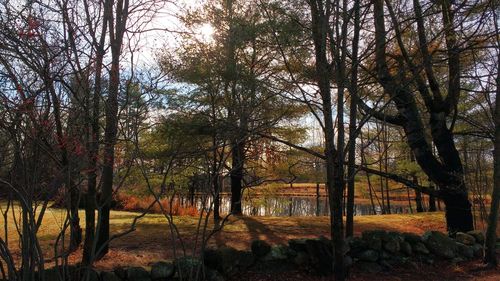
(236, 176)
(447, 172)
(458, 211)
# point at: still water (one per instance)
(281, 206)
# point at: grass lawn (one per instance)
(152, 240)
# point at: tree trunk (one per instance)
(93, 149)
(490, 254)
(320, 15)
(236, 176)
(432, 202)
(418, 194)
(458, 211)
(317, 199)
(216, 186)
(353, 110)
(117, 30)
(446, 172)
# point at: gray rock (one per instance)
(188, 268)
(412, 238)
(348, 261)
(369, 255)
(405, 248)
(420, 248)
(392, 246)
(357, 245)
(137, 273)
(211, 258)
(478, 235)
(413, 265)
(260, 248)
(109, 276)
(440, 244)
(302, 258)
(278, 252)
(429, 260)
(227, 260)
(457, 260)
(245, 260)
(465, 251)
(371, 267)
(384, 255)
(213, 275)
(478, 250)
(121, 272)
(320, 255)
(465, 238)
(92, 276)
(162, 271)
(373, 238)
(386, 265)
(398, 260)
(297, 245)
(392, 235)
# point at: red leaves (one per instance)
(31, 30)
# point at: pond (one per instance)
(281, 206)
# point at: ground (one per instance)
(152, 241)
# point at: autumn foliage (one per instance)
(134, 203)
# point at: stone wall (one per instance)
(373, 251)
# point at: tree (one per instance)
(490, 253)
(241, 87)
(447, 170)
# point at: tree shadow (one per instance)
(260, 231)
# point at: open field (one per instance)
(151, 241)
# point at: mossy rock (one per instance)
(162, 271)
(374, 238)
(440, 244)
(465, 238)
(109, 276)
(405, 248)
(371, 267)
(420, 248)
(478, 235)
(260, 248)
(369, 256)
(138, 273)
(412, 238)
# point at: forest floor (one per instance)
(152, 240)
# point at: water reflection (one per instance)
(281, 206)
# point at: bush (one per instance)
(134, 203)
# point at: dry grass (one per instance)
(140, 204)
(152, 239)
